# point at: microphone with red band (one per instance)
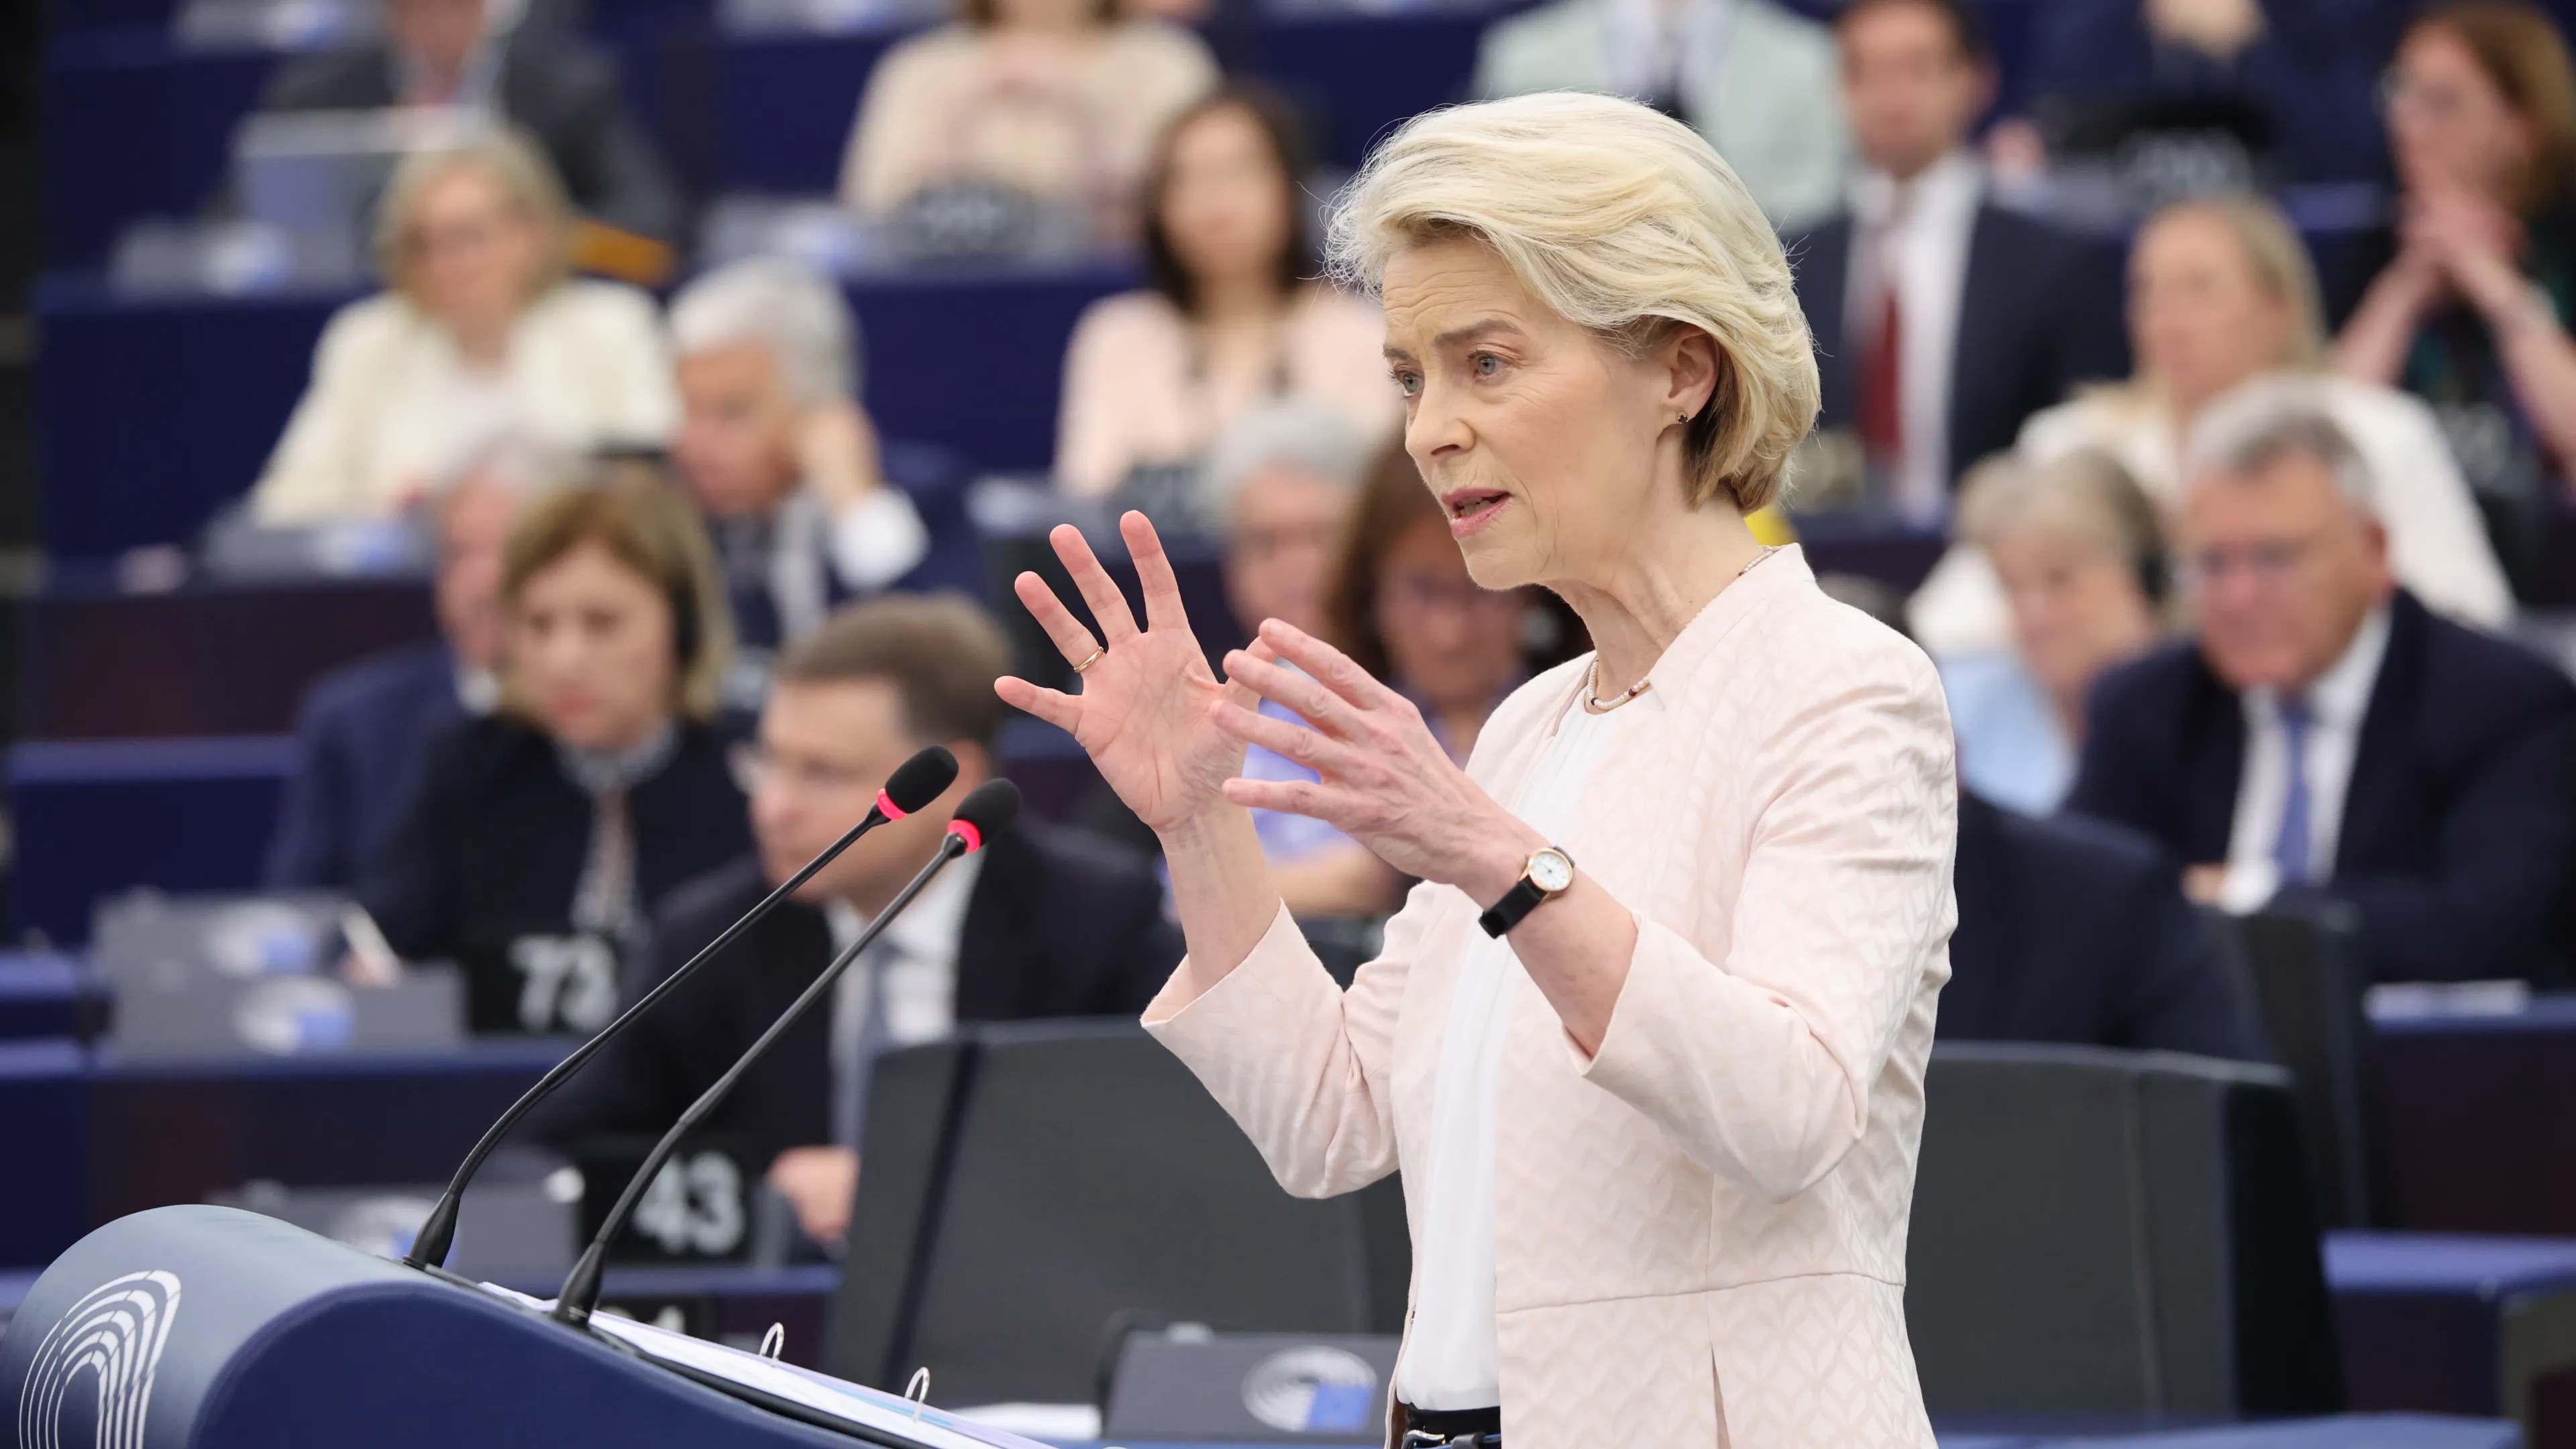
(913, 786)
(987, 811)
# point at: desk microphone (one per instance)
(914, 784)
(987, 811)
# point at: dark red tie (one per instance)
(1882, 397)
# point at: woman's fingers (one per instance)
(1238, 692)
(1311, 748)
(1281, 685)
(1054, 706)
(1108, 606)
(1334, 669)
(1295, 797)
(1163, 609)
(1066, 631)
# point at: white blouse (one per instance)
(393, 407)
(1452, 1360)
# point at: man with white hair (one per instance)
(2326, 739)
(807, 509)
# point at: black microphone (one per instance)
(987, 811)
(913, 785)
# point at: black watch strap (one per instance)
(1516, 903)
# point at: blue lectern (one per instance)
(213, 1328)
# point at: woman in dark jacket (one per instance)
(539, 840)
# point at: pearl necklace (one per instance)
(1592, 699)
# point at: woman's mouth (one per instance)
(1471, 510)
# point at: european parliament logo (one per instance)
(112, 1340)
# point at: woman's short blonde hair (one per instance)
(513, 163)
(647, 523)
(2084, 498)
(1625, 222)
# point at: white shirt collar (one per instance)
(929, 931)
(2341, 696)
(1949, 186)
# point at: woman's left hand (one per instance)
(1386, 782)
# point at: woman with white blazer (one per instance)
(480, 334)
(1648, 1042)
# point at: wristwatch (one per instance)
(1547, 875)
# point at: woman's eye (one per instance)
(1486, 364)
(1407, 383)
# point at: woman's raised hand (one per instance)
(1147, 695)
(1386, 782)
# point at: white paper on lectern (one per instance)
(851, 1403)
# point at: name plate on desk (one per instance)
(698, 1210)
(1185, 1384)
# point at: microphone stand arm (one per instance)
(438, 1231)
(580, 1292)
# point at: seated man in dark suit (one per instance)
(807, 506)
(563, 93)
(2075, 930)
(363, 725)
(2328, 739)
(1941, 320)
(1043, 922)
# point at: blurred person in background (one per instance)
(1949, 320)
(1403, 607)
(1749, 75)
(2327, 740)
(1230, 320)
(2077, 930)
(481, 332)
(536, 841)
(2221, 293)
(2080, 552)
(806, 506)
(2470, 311)
(362, 727)
(1043, 922)
(1279, 488)
(2291, 78)
(1058, 100)
(563, 93)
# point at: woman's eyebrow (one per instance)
(1475, 331)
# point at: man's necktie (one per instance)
(2293, 850)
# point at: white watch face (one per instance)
(1550, 871)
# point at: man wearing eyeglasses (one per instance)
(1043, 922)
(2327, 739)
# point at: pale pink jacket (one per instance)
(1700, 1232)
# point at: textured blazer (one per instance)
(1699, 1233)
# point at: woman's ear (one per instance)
(1691, 365)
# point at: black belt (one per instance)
(1438, 1427)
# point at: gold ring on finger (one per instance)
(1090, 659)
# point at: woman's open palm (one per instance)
(1143, 715)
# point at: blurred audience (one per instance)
(1152, 377)
(551, 85)
(535, 841)
(2076, 930)
(1043, 922)
(1278, 491)
(1947, 319)
(480, 333)
(2471, 309)
(1747, 74)
(1057, 100)
(362, 727)
(2220, 294)
(2080, 553)
(806, 507)
(2291, 79)
(1402, 605)
(2327, 739)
